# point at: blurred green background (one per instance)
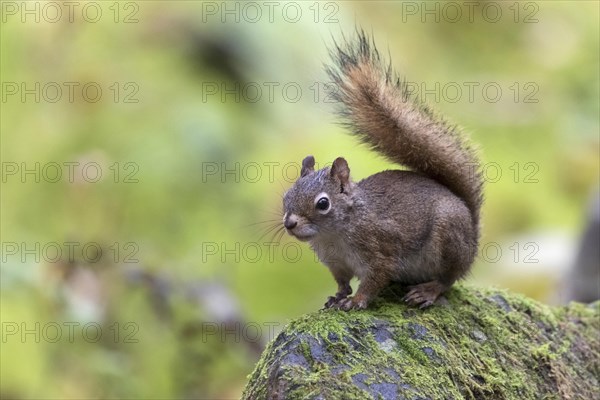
(196, 115)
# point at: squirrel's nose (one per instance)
(290, 222)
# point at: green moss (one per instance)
(483, 343)
(305, 349)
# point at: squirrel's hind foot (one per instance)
(425, 294)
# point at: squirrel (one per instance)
(418, 227)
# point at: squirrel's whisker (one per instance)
(270, 229)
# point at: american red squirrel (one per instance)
(420, 227)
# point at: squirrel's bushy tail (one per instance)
(377, 107)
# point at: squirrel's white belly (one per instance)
(339, 255)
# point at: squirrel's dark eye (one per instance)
(322, 204)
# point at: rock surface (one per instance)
(480, 344)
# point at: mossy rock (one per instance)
(479, 344)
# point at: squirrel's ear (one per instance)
(308, 166)
(340, 170)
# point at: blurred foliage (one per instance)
(171, 217)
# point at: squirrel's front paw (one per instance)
(352, 303)
(333, 301)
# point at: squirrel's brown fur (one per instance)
(420, 227)
(378, 107)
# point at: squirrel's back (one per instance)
(378, 108)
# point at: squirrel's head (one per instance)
(319, 200)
